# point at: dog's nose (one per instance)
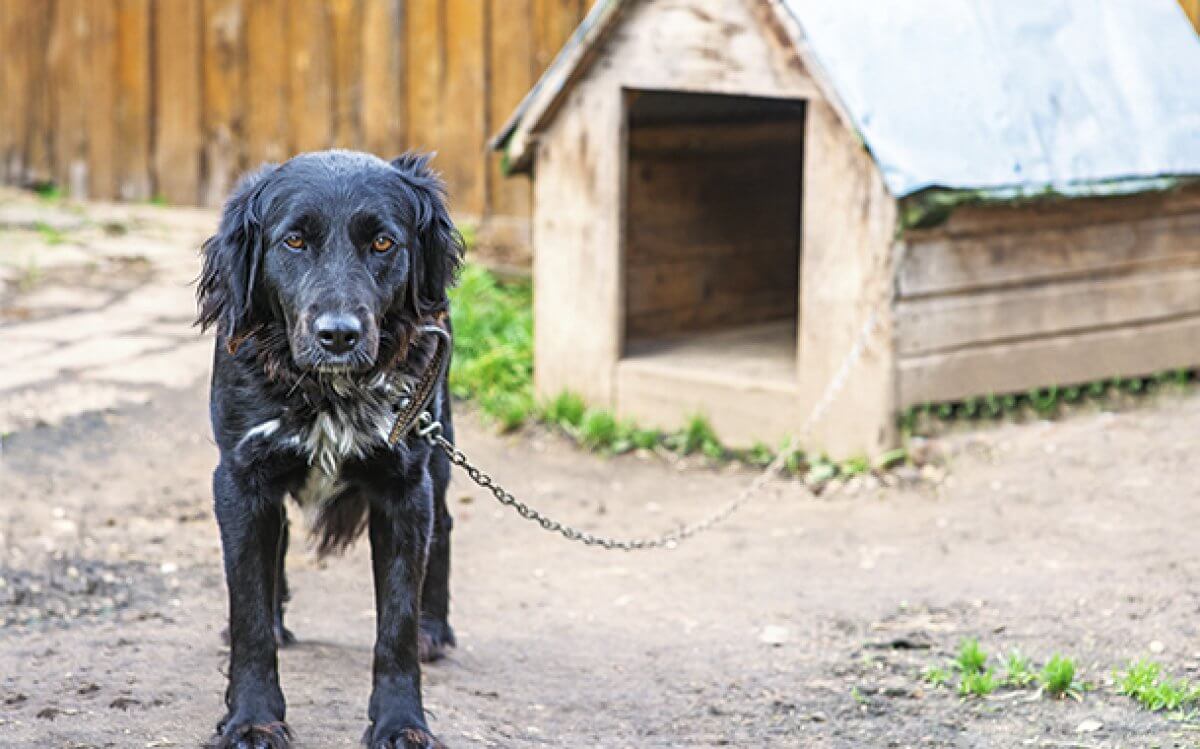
(338, 333)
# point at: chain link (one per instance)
(432, 431)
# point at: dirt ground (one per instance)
(801, 622)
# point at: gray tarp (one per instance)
(1015, 96)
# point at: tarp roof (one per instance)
(1007, 98)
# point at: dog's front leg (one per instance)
(399, 546)
(251, 525)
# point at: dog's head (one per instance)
(338, 249)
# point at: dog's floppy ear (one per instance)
(439, 246)
(231, 260)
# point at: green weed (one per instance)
(1143, 681)
(598, 430)
(971, 657)
(565, 410)
(51, 234)
(49, 192)
(1018, 671)
(1058, 676)
(978, 683)
(936, 676)
(697, 436)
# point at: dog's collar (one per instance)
(417, 401)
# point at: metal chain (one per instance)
(432, 431)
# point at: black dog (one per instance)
(318, 280)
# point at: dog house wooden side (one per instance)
(1005, 298)
(581, 158)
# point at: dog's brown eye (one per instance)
(382, 243)
(294, 241)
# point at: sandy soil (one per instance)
(801, 622)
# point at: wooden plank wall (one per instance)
(133, 99)
(1002, 299)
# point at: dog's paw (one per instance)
(434, 639)
(284, 636)
(404, 738)
(275, 735)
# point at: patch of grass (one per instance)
(978, 684)
(855, 466)
(1058, 676)
(158, 200)
(971, 657)
(1144, 682)
(565, 410)
(50, 234)
(697, 436)
(1018, 671)
(49, 191)
(493, 346)
(936, 676)
(598, 430)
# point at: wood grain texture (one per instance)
(384, 81)
(38, 167)
(464, 124)
(425, 70)
(1089, 245)
(177, 101)
(938, 324)
(512, 69)
(1055, 360)
(266, 82)
(346, 18)
(133, 117)
(846, 275)
(224, 60)
(310, 90)
(101, 76)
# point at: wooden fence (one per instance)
(135, 99)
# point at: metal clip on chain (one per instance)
(431, 431)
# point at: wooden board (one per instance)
(936, 324)
(846, 275)
(425, 70)
(665, 383)
(177, 102)
(13, 82)
(310, 92)
(266, 82)
(465, 128)
(346, 17)
(101, 76)
(1059, 360)
(39, 109)
(554, 20)
(512, 71)
(1088, 245)
(224, 60)
(133, 115)
(384, 80)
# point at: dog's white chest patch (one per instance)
(349, 425)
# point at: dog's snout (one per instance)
(338, 333)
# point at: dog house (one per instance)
(725, 191)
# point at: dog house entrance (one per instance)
(712, 238)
